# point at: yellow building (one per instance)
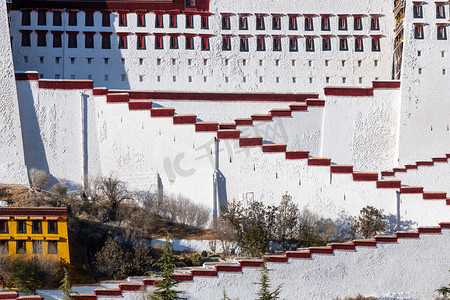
(34, 231)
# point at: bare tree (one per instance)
(286, 219)
(39, 179)
(114, 192)
(369, 222)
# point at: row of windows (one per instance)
(189, 41)
(37, 247)
(226, 21)
(418, 10)
(36, 226)
(441, 31)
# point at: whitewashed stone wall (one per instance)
(12, 164)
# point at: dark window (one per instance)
(26, 18)
(141, 20)
(261, 43)
(57, 40)
(293, 44)
(226, 43)
(310, 45)
(276, 43)
(442, 32)
(357, 23)
(159, 42)
(36, 227)
(42, 17)
(205, 43)
(37, 247)
(21, 247)
(343, 23)
(326, 44)
(105, 19)
(173, 21)
(52, 247)
(189, 21)
(343, 45)
(418, 32)
(21, 226)
(52, 227)
(26, 39)
(276, 23)
(42, 38)
(243, 24)
(191, 3)
(88, 43)
(123, 19)
(374, 23)
(89, 18)
(4, 249)
(359, 46)
(189, 42)
(159, 23)
(72, 40)
(417, 11)
(309, 26)
(72, 18)
(141, 42)
(174, 42)
(57, 20)
(243, 44)
(123, 42)
(293, 23)
(325, 23)
(376, 44)
(226, 22)
(205, 22)
(106, 41)
(3, 226)
(440, 11)
(260, 22)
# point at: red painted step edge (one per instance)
(162, 112)
(445, 225)
(183, 277)
(411, 167)
(298, 107)
(365, 243)
(434, 229)
(365, 176)
(319, 161)
(341, 169)
(425, 163)
(83, 296)
(250, 141)
(315, 102)
(343, 246)
(440, 159)
(151, 281)
(298, 254)
(228, 268)
(204, 272)
(272, 148)
(261, 117)
(399, 170)
(387, 173)
(9, 295)
(407, 235)
(206, 126)
(434, 195)
(117, 98)
(130, 286)
(411, 190)
(297, 154)
(139, 105)
(228, 134)
(244, 122)
(275, 258)
(320, 250)
(26, 76)
(389, 184)
(99, 91)
(348, 91)
(108, 292)
(227, 126)
(251, 263)
(386, 84)
(62, 84)
(280, 112)
(184, 119)
(385, 239)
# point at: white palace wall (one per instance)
(217, 70)
(12, 165)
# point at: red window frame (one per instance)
(41, 38)
(293, 43)
(205, 46)
(159, 21)
(141, 43)
(226, 25)
(123, 17)
(189, 21)
(26, 17)
(89, 18)
(89, 40)
(293, 22)
(72, 39)
(189, 41)
(73, 17)
(42, 17)
(57, 39)
(159, 42)
(57, 18)
(174, 40)
(106, 40)
(357, 22)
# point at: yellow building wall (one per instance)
(61, 237)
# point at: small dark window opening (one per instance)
(359, 46)
(106, 19)
(243, 24)
(226, 22)
(26, 39)
(326, 23)
(326, 44)
(72, 18)
(417, 11)
(123, 42)
(276, 23)
(42, 38)
(205, 44)
(343, 25)
(293, 23)
(3, 226)
(261, 43)
(21, 247)
(4, 249)
(343, 44)
(89, 41)
(72, 40)
(123, 19)
(159, 42)
(293, 44)
(243, 45)
(26, 18)
(174, 42)
(57, 19)
(36, 227)
(52, 247)
(189, 21)
(141, 20)
(374, 23)
(309, 26)
(21, 226)
(57, 40)
(106, 41)
(277, 44)
(173, 21)
(141, 42)
(42, 17)
(418, 32)
(226, 43)
(376, 44)
(52, 227)
(89, 18)
(442, 32)
(357, 23)
(159, 23)
(189, 42)
(440, 11)
(205, 22)
(310, 45)
(260, 25)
